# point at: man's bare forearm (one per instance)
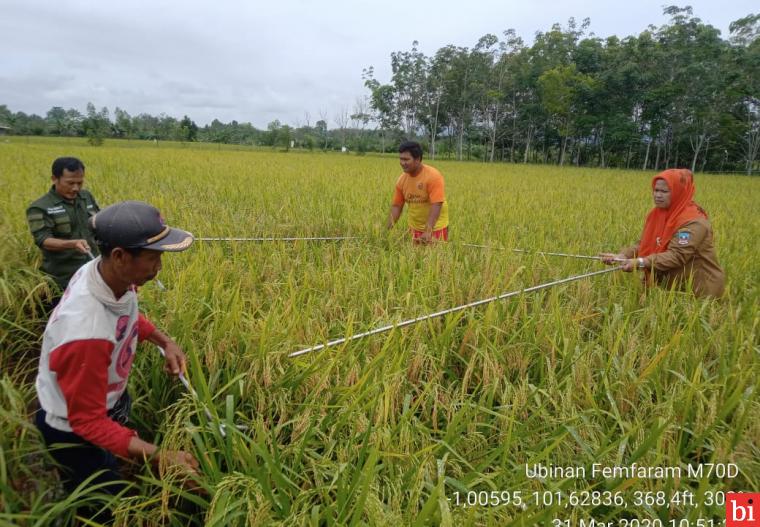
(58, 245)
(395, 214)
(435, 212)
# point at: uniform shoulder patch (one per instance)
(683, 237)
(57, 209)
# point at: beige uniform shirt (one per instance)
(690, 256)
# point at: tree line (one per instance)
(674, 95)
(98, 125)
(677, 95)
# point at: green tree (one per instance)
(96, 125)
(123, 126)
(745, 37)
(188, 130)
(56, 121)
(562, 90)
(321, 128)
(382, 105)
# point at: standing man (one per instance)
(421, 186)
(58, 222)
(90, 343)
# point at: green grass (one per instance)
(384, 430)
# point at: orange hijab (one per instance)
(661, 224)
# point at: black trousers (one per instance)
(78, 460)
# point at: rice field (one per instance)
(432, 424)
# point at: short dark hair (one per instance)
(72, 164)
(413, 147)
(106, 250)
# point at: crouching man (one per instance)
(89, 346)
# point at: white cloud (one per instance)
(257, 61)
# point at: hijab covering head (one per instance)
(661, 224)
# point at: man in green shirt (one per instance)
(58, 222)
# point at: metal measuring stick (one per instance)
(186, 383)
(452, 310)
(524, 251)
(274, 239)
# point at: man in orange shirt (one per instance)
(421, 186)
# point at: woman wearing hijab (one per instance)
(676, 246)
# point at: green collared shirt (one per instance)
(53, 216)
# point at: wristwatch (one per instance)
(640, 262)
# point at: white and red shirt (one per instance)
(87, 353)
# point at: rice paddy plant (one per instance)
(388, 429)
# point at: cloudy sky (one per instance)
(259, 61)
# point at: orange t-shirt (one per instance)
(419, 192)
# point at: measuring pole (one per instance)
(452, 310)
(274, 239)
(544, 253)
